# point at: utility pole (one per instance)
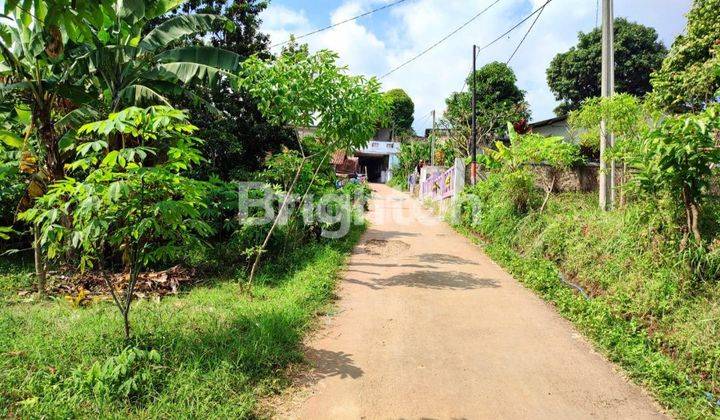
(607, 176)
(432, 141)
(473, 146)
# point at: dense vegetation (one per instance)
(401, 110)
(643, 280)
(574, 76)
(125, 129)
(651, 309)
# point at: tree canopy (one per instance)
(689, 77)
(499, 101)
(401, 111)
(575, 75)
(237, 137)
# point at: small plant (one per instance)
(134, 207)
(132, 375)
(678, 158)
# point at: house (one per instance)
(557, 126)
(376, 158)
(379, 156)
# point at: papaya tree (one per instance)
(299, 89)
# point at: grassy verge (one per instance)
(214, 351)
(646, 312)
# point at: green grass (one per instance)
(648, 312)
(219, 350)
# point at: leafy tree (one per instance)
(299, 89)
(689, 78)
(523, 150)
(627, 118)
(237, 137)
(65, 63)
(411, 153)
(499, 101)
(677, 157)
(400, 111)
(135, 206)
(575, 75)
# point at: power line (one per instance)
(488, 45)
(387, 6)
(526, 35)
(597, 13)
(445, 38)
(537, 11)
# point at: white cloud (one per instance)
(417, 24)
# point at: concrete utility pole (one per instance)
(432, 141)
(473, 146)
(607, 177)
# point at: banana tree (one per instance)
(68, 62)
(129, 64)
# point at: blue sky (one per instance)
(374, 44)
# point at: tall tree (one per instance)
(499, 101)
(237, 137)
(401, 111)
(575, 75)
(690, 75)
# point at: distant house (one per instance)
(379, 156)
(376, 159)
(557, 126)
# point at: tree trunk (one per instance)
(39, 266)
(692, 215)
(50, 142)
(275, 222)
(695, 211)
(548, 190)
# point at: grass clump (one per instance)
(210, 352)
(652, 309)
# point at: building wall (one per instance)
(381, 148)
(560, 129)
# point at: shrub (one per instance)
(133, 375)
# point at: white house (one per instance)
(376, 159)
(379, 156)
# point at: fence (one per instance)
(439, 186)
(445, 184)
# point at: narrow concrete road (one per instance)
(429, 327)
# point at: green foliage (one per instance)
(647, 311)
(132, 375)
(236, 137)
(499, 101)
(221, 351)
(280, 170)
(401, 111)
(134, 197)
(626, 117)
(411, 153)
(512, 165)
(574, 76)
(690, 75)
(11, 186)
(532, 148)
(301, 89)
(677, 158)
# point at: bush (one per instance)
(132, 375)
